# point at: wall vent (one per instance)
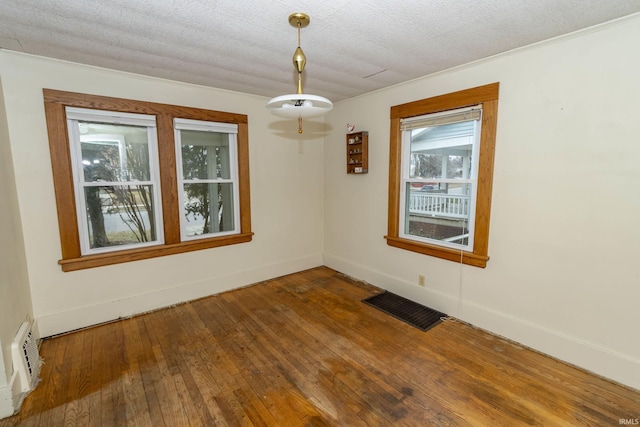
(26, 360)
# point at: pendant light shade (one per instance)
(299, 105)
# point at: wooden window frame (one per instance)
(55, 103)
(487, 96)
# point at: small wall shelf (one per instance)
(358, 152)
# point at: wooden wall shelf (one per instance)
(358, 152)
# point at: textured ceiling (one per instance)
(352, 46)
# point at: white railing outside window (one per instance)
(442, 205)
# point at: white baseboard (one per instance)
(81, 317)
(6, 402)
(601, 361)
(11, 397)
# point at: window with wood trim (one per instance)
(137, 180)
(441, 173)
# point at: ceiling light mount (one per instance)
(299, 104)
(299, 19)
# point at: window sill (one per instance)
(468, 258)
(101, 260)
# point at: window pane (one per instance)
(114, 153)
(208, 208)
(205, 155)
(120, 215)
(442, 152)
(440, 213)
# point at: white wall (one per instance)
(286, 200)
(15, 299)
(564, 241)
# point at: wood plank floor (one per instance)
(302, 350)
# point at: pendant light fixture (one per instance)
(299, 104)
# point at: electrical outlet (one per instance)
(421, 280)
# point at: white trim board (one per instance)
(6, 402)
(600, 361)
(11, 397)
(81, 317)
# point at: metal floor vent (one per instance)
(408, 311)
(26, 360)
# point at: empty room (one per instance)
(349, 213)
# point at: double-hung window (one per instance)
(439, 177)
(206, 156)
(441, 173)
(115, 171)
(136, 180)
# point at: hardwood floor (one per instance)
(302, 350)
